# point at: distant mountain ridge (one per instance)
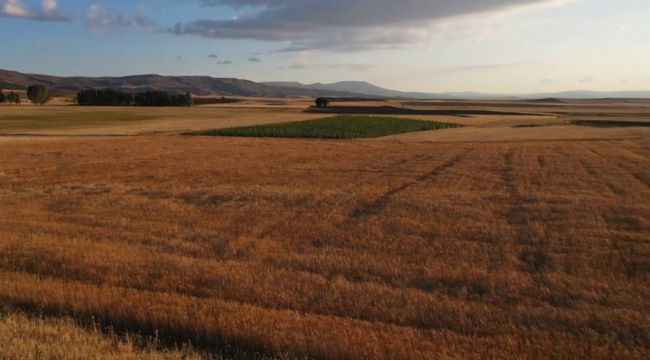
(206, 85)
(356, 87)
(198, 85)
(368, 89)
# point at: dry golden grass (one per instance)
(337, 250)
(81, 120)
(504, 133)
(22, 337)
(60, 120)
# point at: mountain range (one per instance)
(360, 87)
(206, 85)
(197, 85)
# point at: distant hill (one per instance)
(198, 85)
(364, 88)
(206, 85)
(356, 87)
(585, 94)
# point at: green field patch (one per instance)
(337, 127)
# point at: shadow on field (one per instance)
(148, 338)
(611, 123)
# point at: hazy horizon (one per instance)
(490, 46)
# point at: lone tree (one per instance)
(38, 94)
(322, 102)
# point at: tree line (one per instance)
(109, 97)
(10, 98)
(37, 94)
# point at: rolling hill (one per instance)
(198, 85)
(355, 87)
(206, 85)
(367, 89)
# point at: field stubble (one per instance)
(335, 250)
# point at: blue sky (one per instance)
(508, 46)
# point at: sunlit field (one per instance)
(329, 249)
(324, 180)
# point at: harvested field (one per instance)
(84, 121)
(96, 120)
(499, 133)
(336, 249)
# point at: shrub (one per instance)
(322, 102)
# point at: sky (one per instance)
(497, 46)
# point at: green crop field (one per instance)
(338, 127)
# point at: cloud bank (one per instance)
(341, 25)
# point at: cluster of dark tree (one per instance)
(105, 97)
(108, 97)
(10, 98)
(213, 100)
(322, 102)
(162, 98)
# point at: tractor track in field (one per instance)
(376, 206)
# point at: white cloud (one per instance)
(49, 10)
(14, 8)
(50, 6)
(99, 17)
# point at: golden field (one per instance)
(419, 246)
(22, 337)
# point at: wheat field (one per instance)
(25, 337)
(334, 250)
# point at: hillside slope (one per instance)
(198, 85)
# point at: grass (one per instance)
(51, 119)
(337, 127)
(349, 250)
(25, 337)
(30, 118)
(36, 336)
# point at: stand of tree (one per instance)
(213, 100)
(104, 97)
(108, 97)
(10, 98)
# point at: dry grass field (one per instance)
(92, 121)
(551, 119)
(364, 249)
(22, 337)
